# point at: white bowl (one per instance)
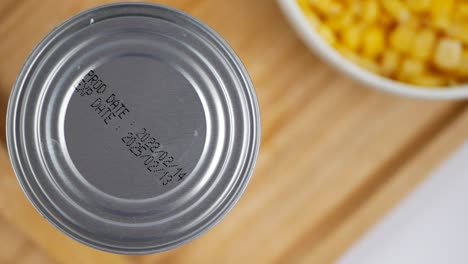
(308, 34)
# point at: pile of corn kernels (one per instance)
(420, 42)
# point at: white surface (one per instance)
(302, 26)
(430, 226)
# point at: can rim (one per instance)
(247, 169)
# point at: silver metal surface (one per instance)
(133, 128)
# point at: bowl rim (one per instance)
(313, 40)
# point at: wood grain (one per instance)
(335, 155)
(405, 179)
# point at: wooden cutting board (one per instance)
(335, 156)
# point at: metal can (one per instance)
(133, 128)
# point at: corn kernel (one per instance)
(423, 44)
(312, 17)
(462, 12)
(427, 38)
(401, 38)
(396, 9)
(327, 34)
(370, 12)
(448, 53)
(347, 53)
(355, 7)
(414, 23)
(313, 20)
(334, 8)
(462, 68)
(308, 13)
(341, 21)
(373, 42)
(441, 8)
(459, 31)
(327, 7)
(441, 23)
(418, 5)
(441, 12)
(386, 21)
(429, 80)
(352, 37)
(390, 62)
(365, 63)
(368, 64)
(411, 67)
(304, 5)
